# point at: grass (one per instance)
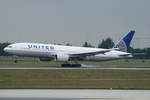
(23, 61)
(35, 62)
(30, 63)
(107, 64)
(121, 64)
(79, 78)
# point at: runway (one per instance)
(83, 67)
(73, 94)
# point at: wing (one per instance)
(88, 53)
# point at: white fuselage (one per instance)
(49, 50)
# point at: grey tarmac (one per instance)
(73, 94)
(83, 67)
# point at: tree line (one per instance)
(2, 46)
(105, 43)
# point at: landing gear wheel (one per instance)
(71, 65)
(16, 61)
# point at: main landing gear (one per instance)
(71, 65)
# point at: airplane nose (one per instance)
(5, 49)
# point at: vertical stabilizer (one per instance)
(124, 43)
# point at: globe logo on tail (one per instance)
(122, 46)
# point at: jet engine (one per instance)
(62, 57)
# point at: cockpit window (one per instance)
(9, 46)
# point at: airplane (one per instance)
(61, 53)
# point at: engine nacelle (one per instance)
(46, 59)
(62, 57)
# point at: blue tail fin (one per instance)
(124, 43)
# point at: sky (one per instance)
(74, 21)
